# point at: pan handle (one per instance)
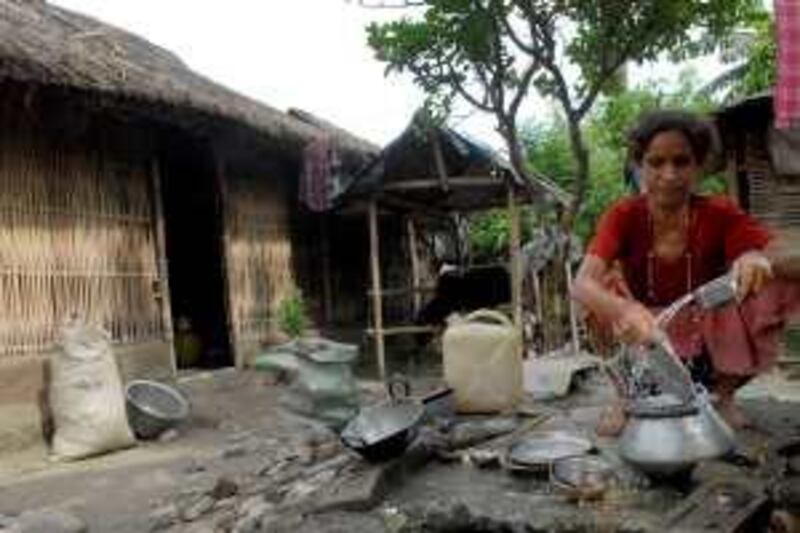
(398, 381)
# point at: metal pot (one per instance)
(663, 437)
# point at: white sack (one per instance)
(86, 395)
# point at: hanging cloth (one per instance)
(320, 168)
(787, 88)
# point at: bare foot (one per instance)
(612, 421)
(732, 414)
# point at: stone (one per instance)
(231, 451)
(50, 521)
(199, 527)
(194, 466)
(6, 521)
(254, 515)
(225, 487)
(225, 504)
(358, 491)
(197, 508)
(255, 506)
(709, 471)
(164, 517)
(168, 436)
(225, 520)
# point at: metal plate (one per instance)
(543, 447)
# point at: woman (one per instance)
(652, 248)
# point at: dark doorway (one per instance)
(193, 228)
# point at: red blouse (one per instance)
(719, 231)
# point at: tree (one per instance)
(547, 150)
(491, 52)
(754, 51)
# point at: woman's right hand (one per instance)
(635, 325)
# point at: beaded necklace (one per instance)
(689, 219)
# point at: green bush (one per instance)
(292, 317)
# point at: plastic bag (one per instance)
(321, 383)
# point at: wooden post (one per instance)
(537, 293)
(162, 294)
(223, 207)
(516, 260)
(573, 317)
(377, 298)
(415, 274)
(438, 157)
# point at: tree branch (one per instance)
(464, 93)
(604, 76)
(524, 85)
(401, 4)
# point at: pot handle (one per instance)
(488, 315)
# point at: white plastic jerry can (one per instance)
(483, 362)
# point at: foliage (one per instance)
(755, 53)
(292, 315)
(548, 152)
(606, 132)
(489, 233)
(490, 52)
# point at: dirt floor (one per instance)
(115, 492)
(237, 433)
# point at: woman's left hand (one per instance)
(751, 271)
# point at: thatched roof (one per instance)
(47, 45)
(759, 104)
(465, 175)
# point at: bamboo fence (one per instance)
(259, 262)
(76, 237)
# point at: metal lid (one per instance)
(661, 406)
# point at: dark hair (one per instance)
(700, 133)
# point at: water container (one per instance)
(483, 362)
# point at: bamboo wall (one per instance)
(776, 201)
(259, 255)
(76, 236)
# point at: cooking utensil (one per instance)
(383, 432)
(438, 403)
(154, 407)
(539, 449)
(670, 431)
(582, 477)
(665, 436)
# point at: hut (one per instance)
(136, 193)
(430, 175)
(762, 170)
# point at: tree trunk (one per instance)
(581, 155)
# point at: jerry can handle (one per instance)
(488, 315)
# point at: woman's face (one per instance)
(669, 169)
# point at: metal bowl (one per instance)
(154, 407)
(582, 477)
